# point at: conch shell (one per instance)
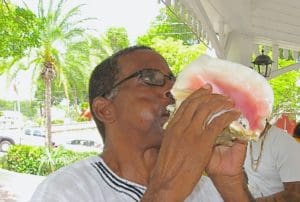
(251, 92)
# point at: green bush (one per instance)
(24, 159)
(39, 160)
(57, 121)
(40, 121)
(81, 119)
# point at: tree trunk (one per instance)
(48, 111)
(48, 75)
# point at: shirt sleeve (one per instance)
(286, 153)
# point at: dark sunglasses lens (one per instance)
(153, 77)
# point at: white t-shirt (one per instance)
(279, 163)
(90, 180)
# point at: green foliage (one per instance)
(281, 56)
(19, 30)
(62, 44)
(28, 108)
(6, 105)
(117, 38)
(76, 72)
(286, 93)
(40, 121)
(173, 40)
(82, 119)
(39, 160)
(57, 121)
(84, 106)
(23, 159)
(284, 63)
(80, 59)
(99, 49)
(175, 52)
(167, 25)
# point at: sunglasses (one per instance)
(151, 77)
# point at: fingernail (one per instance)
(207, 86)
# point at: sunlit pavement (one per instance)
(17, 187)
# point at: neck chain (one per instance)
(255, 163)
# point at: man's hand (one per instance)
(226, 170)
(227, 161)
(188, 145)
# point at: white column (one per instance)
(240, 49)
(295, 56)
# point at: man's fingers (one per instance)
(219, 123)
(213, 107)
(194, 97)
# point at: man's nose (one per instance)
(167, 92)
(168, 95)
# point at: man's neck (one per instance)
(130, 164)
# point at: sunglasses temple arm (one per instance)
(129, 77)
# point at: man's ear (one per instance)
(103, 109)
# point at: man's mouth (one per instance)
(166, 113)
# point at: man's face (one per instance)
(141, 108)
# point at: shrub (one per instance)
(23, 159)
(82, 119)
(39, 160)
(57, 121)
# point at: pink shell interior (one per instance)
(251, 92)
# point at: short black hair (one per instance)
(104, 76)
(297, 131)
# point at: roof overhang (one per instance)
(248, 23)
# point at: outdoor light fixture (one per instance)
(263, 64)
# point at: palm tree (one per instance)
(66, 54)
(60, 32)
(63, 53)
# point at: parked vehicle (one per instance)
(83, 145)
(11, 119)
(27, 136)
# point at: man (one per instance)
(129, 93)
(272, 166)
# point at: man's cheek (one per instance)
(146, 117)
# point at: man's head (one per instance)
(134, 65)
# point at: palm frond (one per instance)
(83, 20)
(50, 7)
(41, 9)
(74, 32)
(65, 84)
(58, 10)
(7, 64)
(73, 12)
